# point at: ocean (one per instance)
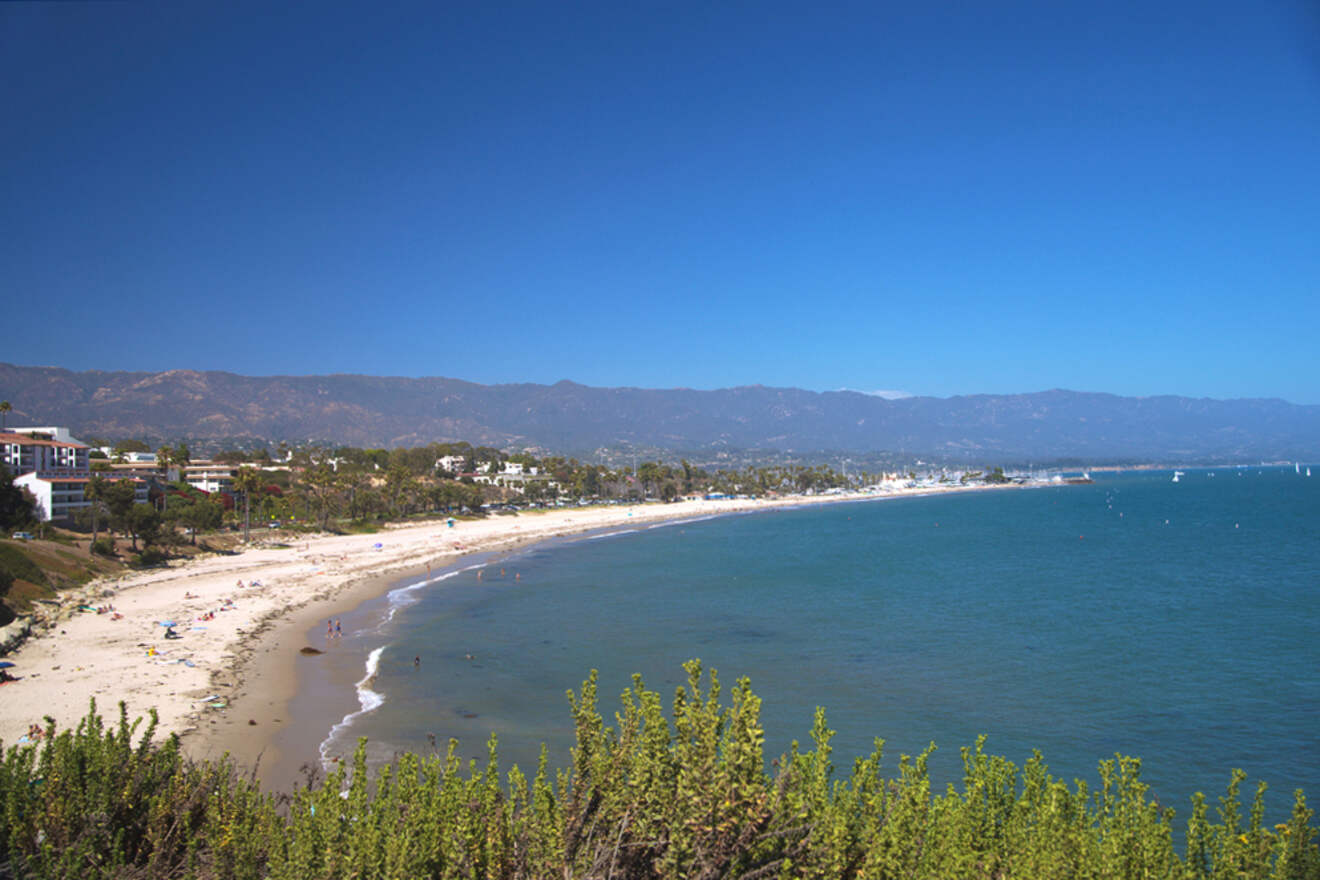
(1176, 622)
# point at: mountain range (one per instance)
(220, 408)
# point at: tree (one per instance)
(165, 458)
(5, 409)
(95, 493)
(247, 481)
(320, 481)
(181, 456)
(119, 497)
(16, 507)
(353, 483)
(204, 515)
(397, 481)
(144, 523)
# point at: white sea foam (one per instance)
(611, 534)
(402, 597)
(368, 700)
(680, 522)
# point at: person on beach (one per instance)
(417, 662)
(339, 629)
(329, 629)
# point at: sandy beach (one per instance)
(243, 618)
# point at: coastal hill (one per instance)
(391, 411)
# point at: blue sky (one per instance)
(939, 198)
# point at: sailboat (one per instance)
(1176, 475)
(1308, 472)
(1297, 467)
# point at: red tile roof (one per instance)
(25, 440)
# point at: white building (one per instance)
(59, 497)
(451, 463)
(42, 451)
(53, 465)
(210, 476)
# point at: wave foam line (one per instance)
(680, 522)
(612, 534)
(368, 699)
(402, 597)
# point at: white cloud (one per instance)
(887, 395)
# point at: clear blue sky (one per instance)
(939, 198)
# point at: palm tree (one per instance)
(5, 409)
(165, 458)
(247, 481)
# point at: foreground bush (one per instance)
(652, 797)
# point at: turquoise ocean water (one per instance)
(1175, 622)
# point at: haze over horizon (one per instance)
(925, 201)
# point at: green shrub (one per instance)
(652, 797)
(148, 557)
(104, 547)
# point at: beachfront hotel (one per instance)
(54, 466)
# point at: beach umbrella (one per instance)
(5, 664)
(377, 545)
(167, 623)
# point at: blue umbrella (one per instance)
(5, 664)
(167, 623)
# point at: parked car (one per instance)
(22, 536)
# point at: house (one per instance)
(451, 463)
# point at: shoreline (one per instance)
(248, 652)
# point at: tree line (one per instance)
(345, 487)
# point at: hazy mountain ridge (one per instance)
(388, 411)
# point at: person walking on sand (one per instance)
(339, 629)
(329, 629)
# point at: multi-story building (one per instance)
(210, 476)
(452, 463)
(42, 451)
(53, 465)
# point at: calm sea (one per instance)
(1177, 622)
